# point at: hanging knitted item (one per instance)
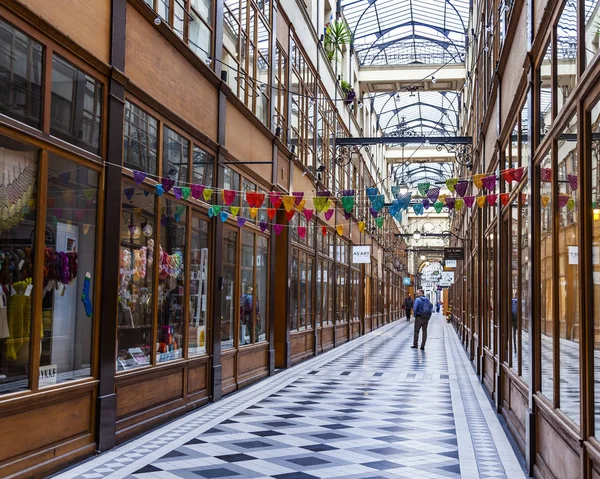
(377, 202)
(405, 200)
(253, 213)
(563, 199)
(394, 208)
(308, 214)
(518, 174)
(278, 229)
(398, 216)
(546, 175)
(469, 201)
(480, 201)
(361, 226)
(263, 226)
(289, 202)
(214, 210)
(197, 191)
(477, 180)
(298, 195)
(206, 194)
(504, 199)
(129, 193)
(573, 181)
(234, 210)
(275, 198)
(545, 200)
(228, 197)
(302, 231)
(252, 198)
(241, 222)
(395, 191)
(159, 190)
(329, 214)
(571, 204)
(340, 230)
(347, 216)
(167, 183)
(489, 182)
(451, 183)
(224, 216)
(426, 203)
(139, 177)
(423, 188)
(321, 203)
(290, 215)
(300, 206)
(324, 230)
(491, 199)
(450, 203)
(418, 208)
(348, 193)
(461, 188)
(509, 175)
(271, 212)
(379, 222)
(373, 212)
(459, 203)
(348, 203)
(437, 206)
(371, 192)
(185, 192)
(178, 193)
(433, 193)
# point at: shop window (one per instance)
(140, 140)
(491, 283)
(329, 287)
(202, 167)
(319, 294)
(69, 260)
(175, 155)
(342, 297)
(228, 299)
(569, 317)
(20, 76)
(545, 261)
(592, 30)
(594, 288)
(294, 290)
(524, 149)
(249, 306)
(136, 279)
(171, 282)
(514, 287)
(281, 68)
(545, 92)
(566, 52)
(17, 234)
(261, 287)
(525, 300)
(76, 106)
(199, 277)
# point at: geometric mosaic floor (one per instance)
(373, 408)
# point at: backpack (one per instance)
(426, 308)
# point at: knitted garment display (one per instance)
(17, 184)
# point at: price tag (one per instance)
(28, 290)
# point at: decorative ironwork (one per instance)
(463, 153)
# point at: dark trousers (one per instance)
(408, 313)
(420, 323)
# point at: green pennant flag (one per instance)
(451, 183)
(380, 221)
(348, 203)
(186, 192)
(423, 188)
(438, 205)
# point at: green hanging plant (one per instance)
(348, 90)
(337, 34)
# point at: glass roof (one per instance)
(400, 32)
(428, 113)
(414, 173)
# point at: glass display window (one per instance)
(199, 288)
(228, 297)
(175, 155)
(140, 140)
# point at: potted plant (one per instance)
(348, 90)
(337, 34)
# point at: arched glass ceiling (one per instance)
(428, 113)
(412, 174)
(400, 32)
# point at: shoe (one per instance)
(414, 347)
(422, 348)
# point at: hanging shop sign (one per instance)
(406, 281)
(454, 253)
(361, 254)
(450, 263)
(447, 279)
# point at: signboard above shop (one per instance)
(454, 253)
(361, 254)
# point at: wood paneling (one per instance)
(253, 363)
(86, 22)
(156, 67)
(144, 394)
(555, 457)
(302, 344)
(326, 338)
(228, 366)
(488, 371)
(197, 377)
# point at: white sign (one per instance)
(48, 375)
(450, 263)
(596, 277)
(573, 254)
(595, 254)
(447, 278)
(361, 254)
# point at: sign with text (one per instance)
(361, 254)
(450, 263)
(447, 278)
(48, 375)
(406, 281)
(454, 253)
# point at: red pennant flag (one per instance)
(504, 198)
(271, 212)
(491, 199)
(308, 214)
(276, 200)
(518, 174)
(228, 197)
(509, 175)
(324, 230)
(290, 215)
(251, 198)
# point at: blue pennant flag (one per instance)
(372, 192)
(377, 202)
(418, 208)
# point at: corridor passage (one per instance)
(373, 408)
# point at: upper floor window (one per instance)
(20, 76)
(140, 139)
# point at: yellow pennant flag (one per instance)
(478, 183)
(300, 206)
(289, 202)
(207, 193)
(480, 201)
(545, 200)
(253, 213)
(234, 210)
(442, 198)
(361, 226)
(340, 229)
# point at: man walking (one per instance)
(423, 312)
(407, 307)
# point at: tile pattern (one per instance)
(373, 408)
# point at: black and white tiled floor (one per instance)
(373, 408)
